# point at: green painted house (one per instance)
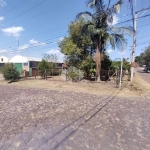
(28, 64)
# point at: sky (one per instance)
(33, 28)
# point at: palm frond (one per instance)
(120, 41)
(110, 38)
(91, 4)
(115, 9)
(116, 41)
(123, 30)
(86, 15)
(96, 4)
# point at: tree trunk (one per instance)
(98, 61)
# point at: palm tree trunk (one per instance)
(98, 61)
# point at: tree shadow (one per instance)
(84, 119)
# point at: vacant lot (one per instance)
(48, 115)
(1, 77)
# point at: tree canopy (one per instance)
(47, 64)
(78, 49)
(117, 65)
(144, 58)
(99, 28)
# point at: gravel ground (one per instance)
(42, 119)
(144, 75)
(1, 77)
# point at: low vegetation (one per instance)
(10, 72)
(144, 58)
(47, 65)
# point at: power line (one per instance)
(143, 25)
(48, 32)
(123, 22)
(26, 11)
(42, 34)
(14, 8)
(39, 14)
(47, 43)
(132, 19)
(143, 37)
(143, 43)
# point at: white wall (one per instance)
(4, 59)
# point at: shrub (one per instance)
(55, 72)
(10, 72)
(73, 74)
(42, 66)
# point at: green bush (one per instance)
(55, 73)
(42, 66)
(10, 72)
(73, 74)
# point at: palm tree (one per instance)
(99, 27)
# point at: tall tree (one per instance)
(144, 58)
(99, 27)
(78, 48)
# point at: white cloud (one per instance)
(109, 51)
(115, 21)
(57, 52)
(32, 43)
(23, 47)
(2, 3)
(5, 51)
(1, 18)
(13, 31)
(36, 43)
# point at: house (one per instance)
(3, 60)
(25, 64)
(28, 66)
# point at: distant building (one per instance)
(28, 64)
(3, 60)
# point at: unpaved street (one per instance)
(144, 75)
(42, 119)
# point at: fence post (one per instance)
(121, 72)
(45, 75)
(35, 73)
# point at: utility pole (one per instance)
(135, 17)
(134, 46)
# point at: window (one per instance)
(25, 64)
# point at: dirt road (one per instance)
(144, 75)
(42, 119)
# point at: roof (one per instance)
(18, 59)
(34, 59)
(22, 59)
(4, 59)
(64, 65)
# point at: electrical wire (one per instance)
(132, 19)
(13, 8)
(34, 46)
(37, 15)
(25, 11)
(143, 37)
(49, 32)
